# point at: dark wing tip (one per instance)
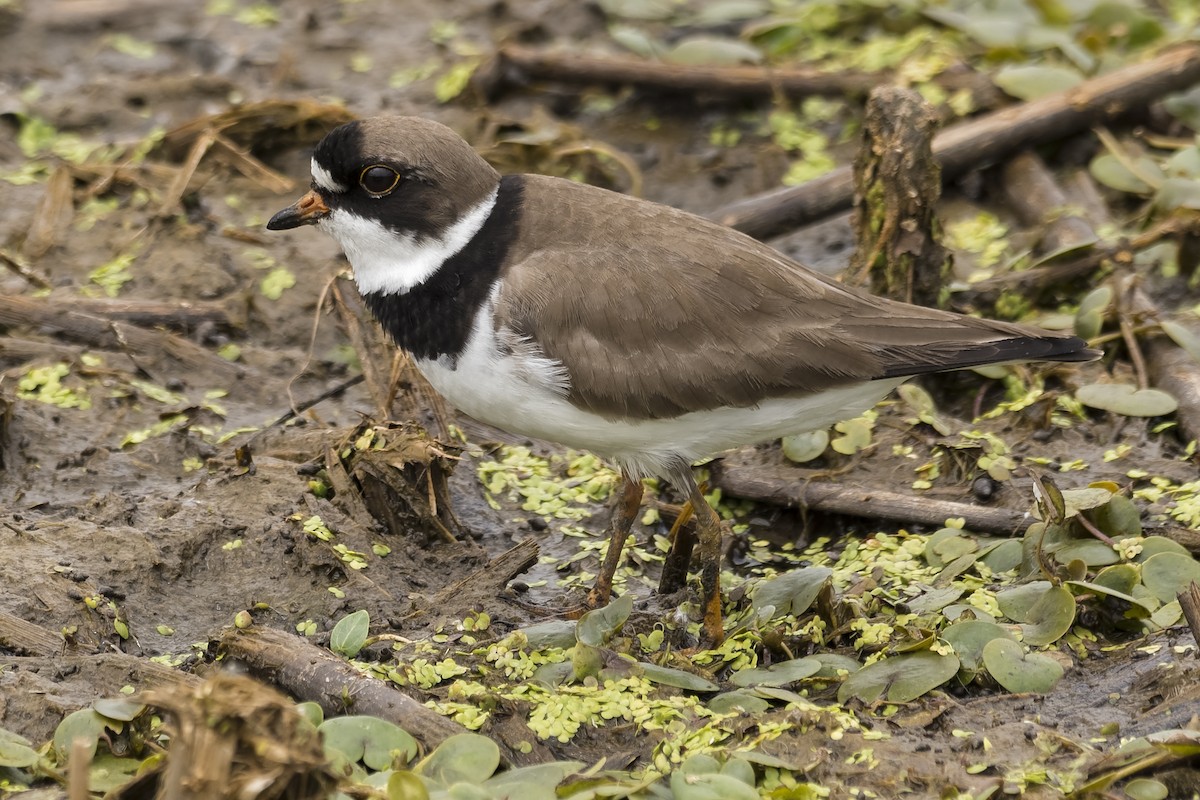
(911, 360)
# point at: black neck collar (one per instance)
(435, 318)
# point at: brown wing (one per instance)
(655, 312)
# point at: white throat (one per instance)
(392, 263)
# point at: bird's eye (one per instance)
(378, 179)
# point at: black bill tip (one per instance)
(308, 210)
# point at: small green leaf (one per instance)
(899, 679)
(15, 750)
(969, 637)
(667, 676)
(1168, 574)
(375, 742)
(710, 786)
(597, 627)
(552, 633)
(1036, 80)
(740, 700)
(1183, 336)
(712, 50)
(464, 758)
(1123, 398)
(1019, 671)
(780, 674)
(791, 592)
(804, 447)
(350, 633)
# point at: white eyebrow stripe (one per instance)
(324, 179)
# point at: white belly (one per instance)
(525, 393)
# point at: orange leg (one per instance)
(624, 514)
(710, 563)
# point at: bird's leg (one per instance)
(624, 513)
(679, 557)
(709, 525)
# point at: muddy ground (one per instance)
(175, 537)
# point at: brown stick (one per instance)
(183, 316)
(311, 673)
(981, 141)
(1189, 601)
(21, 636)
(515, 64)
(781, 485)
(109, 335)
(493, 576)
(1171, 368)
(367, 341)
(1035, 196)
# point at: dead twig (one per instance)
(492, 577)
(981, 141)
(95, 331)
(516, 65)
(311, 673)
(780, 485)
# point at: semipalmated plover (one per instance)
(647, 335)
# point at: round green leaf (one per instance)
(464, 758)
(804, 447)
(596, 627)
(1153, 545)
(1124, 398)
(712, 50)
(792, 592)
(533, 782)
(947, 544)
(375, 742)
(405, 785)
(834, 664)
(1114, 173)
(553, 633)
(899, 679)
(1118, 578)
(1004, 556)
(1146, 789)
(118, 708)
(1015, 603)
(680, 679)
(780, 674)
(1119, 518)
(729, 702)
(1092, 552)
(1018, 671)
(969, 637)
(312, 712)
(709, 786)
(350, 633)
(83, 724)
(15, 750)
(1036, 80)
(1168, 574)
(934, 599)
(1049, 619)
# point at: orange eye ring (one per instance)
(378, 180)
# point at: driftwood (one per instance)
(311, 673)
(786, 486)
(981, 141)
(514, 65)
(94, 331)
(1169, 367)
(1037, 199)
(491, 578)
